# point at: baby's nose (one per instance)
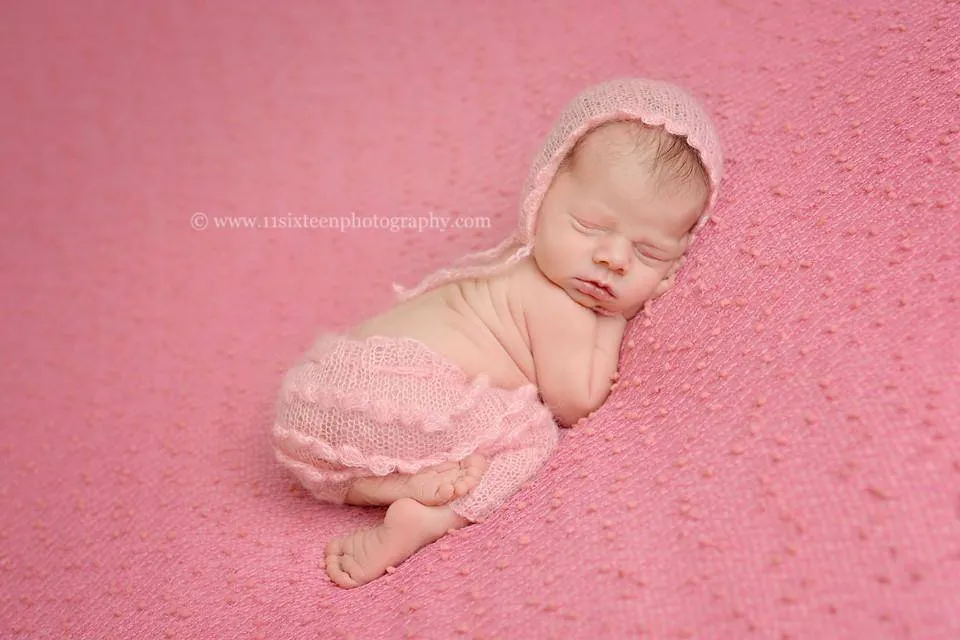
(614, 252)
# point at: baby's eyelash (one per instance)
(584, 225)
(640, 252)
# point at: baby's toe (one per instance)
(336, 572)
(334, 547)
(445, 492)
(353, 573)
(466, 484)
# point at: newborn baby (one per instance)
(442, 407)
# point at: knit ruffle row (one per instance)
(385, 409)
(341, 374)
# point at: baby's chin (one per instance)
(599, 309)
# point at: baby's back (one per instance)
(479, 324)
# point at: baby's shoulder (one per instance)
(525, 283)
(542, 299)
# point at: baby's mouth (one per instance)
(596, 289)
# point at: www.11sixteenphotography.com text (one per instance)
(351, 222)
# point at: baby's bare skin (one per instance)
(540, 321)
(482, 325)
(415, 517)
(365, 555)
(433, 486)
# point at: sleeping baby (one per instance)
(443, 406)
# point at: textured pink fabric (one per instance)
(780, 461)
(652, 102)
(352, 408)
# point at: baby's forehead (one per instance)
(613, 148)
(629, 150)
(608, 152)
(617, 136)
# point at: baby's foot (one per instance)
(432, 486)
(364, 555)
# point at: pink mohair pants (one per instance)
(363, 407)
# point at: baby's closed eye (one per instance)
(646, 254)
(584, 226)
(651, 257)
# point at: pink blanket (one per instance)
(780, 460)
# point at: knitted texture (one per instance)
(654, 103)
(780, 458)
(380, 405)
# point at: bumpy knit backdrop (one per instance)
(780, 460)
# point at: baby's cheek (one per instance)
(652, 275)
(637, 294)
(669, 269)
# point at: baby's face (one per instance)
(605, 233)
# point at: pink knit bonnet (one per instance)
(650, 101)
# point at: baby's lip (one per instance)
(606, 289)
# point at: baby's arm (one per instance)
(609, 335)
(575, 354)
